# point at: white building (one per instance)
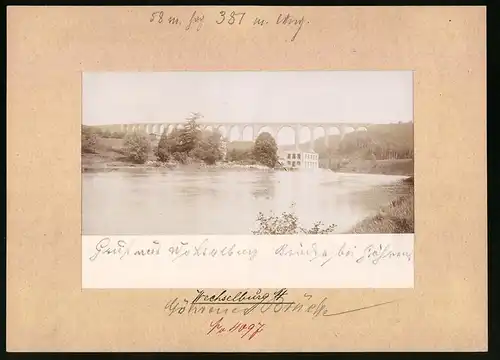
(300, 160)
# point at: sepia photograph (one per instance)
(247, 152)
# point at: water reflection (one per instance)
(264, 186)
(224, 201)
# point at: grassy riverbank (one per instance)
(396, 217)
(109, 156)
(382, 167)
(109, 153)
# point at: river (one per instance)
(215, 201)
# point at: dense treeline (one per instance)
(186, 145)
(380, 144)
(190, 144)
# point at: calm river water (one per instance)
(168, 202)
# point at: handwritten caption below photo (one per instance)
(310, 261)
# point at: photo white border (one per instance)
(248, 261)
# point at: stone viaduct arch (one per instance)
(250, 131)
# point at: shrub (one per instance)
(137, 147)
(89, 140)
(287, 224)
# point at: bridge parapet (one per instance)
(236, 130)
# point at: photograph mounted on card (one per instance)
(304, 178)
(223, 178)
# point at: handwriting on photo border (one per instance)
(315, 253)
(230, 18)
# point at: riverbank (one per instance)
(110, 157)
(153, 165)
(382, 167)
(395, 217)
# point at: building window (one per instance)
(298, 156)
(293, 163)
(288, 162)
(293, 156)
(298, 163)
(289, 156)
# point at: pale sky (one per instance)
(246, 97)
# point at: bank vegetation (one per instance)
(184, 146)
(395, 217)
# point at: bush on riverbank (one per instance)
(287, 224)
(137, 147)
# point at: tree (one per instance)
(265, 150)
(184, 145)
(208, 149)
(190, 135)
(162, 152)
(137, 147)
(168, 145)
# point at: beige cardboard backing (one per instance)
(49, 47)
